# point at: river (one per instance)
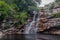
(31, 37)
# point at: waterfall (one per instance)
(37, 2)
(32, 27)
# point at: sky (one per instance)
(45, 2)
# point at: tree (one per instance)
(4, 8)
(7, 12)
(26, 5)
(16, 10)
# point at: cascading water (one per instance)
(31, 27)
(38, 3)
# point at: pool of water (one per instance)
(31, 37)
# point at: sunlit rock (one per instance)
(1, 34)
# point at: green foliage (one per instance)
(16, 24)
(4, 12)
(57, 15)
(52, 6)
(26, 5)
(57, 1)
(4, 8)
(16, 10)
(23, 17)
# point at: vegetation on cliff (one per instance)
(15, 12)
(57, 15)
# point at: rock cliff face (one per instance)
(46, 24)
